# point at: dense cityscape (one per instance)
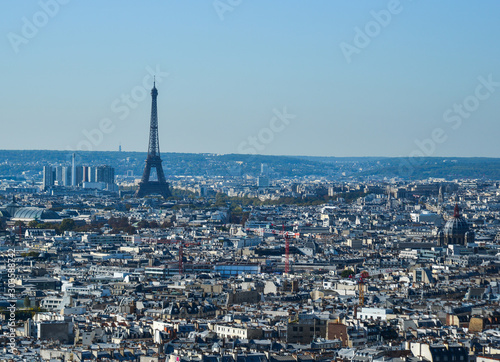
(328, 186)
(247, 266)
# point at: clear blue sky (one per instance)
(229, 70)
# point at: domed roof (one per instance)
(456, 226)
(10, 208)
(35, 213)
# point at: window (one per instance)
(311, 329)
(301, 329)
(295, 329)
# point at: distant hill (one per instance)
(14, 163)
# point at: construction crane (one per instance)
(181, 244)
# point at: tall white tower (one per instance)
(73, 170)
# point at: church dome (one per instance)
(456, 230)
(455, 227)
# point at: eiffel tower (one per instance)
(159, 187)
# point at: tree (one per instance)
(32, 254)
(119, 224)
(245, 217)
(27, 302)
(143, 224)
(33, 224)
(67, 225)
(347, 273)
(129, 230)
(19, 223)
(166, 224)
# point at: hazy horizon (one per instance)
(251, 155)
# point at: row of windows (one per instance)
(301, 329)
(453, 358)
(230, 330)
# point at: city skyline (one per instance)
(385, 78)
